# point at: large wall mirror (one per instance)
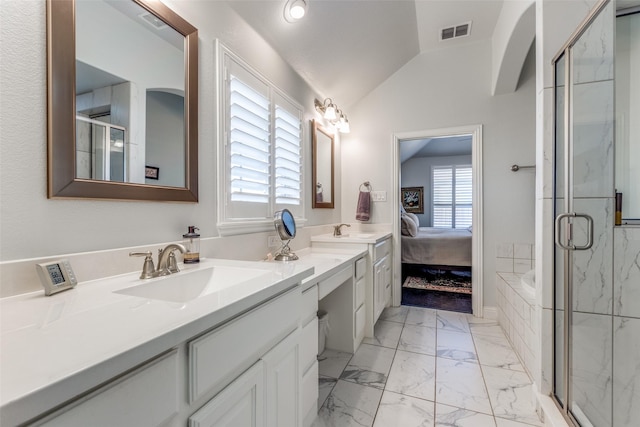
(122, 101)
(322, 166)
(627, 150)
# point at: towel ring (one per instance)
(366, 185)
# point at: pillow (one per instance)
(408, 226)
(414, 217)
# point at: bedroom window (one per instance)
(261, 152)
(451, 196)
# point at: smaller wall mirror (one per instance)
(286, 227)
(322, 166)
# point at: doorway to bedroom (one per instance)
(438, 191)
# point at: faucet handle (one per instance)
(172, 264)
(148, 269)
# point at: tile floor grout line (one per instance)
(484, 381)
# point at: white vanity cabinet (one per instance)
(243, 372)
(241, 403)
(147, 396)
(308, 354)
(372, 278)
(381, 256)
(265, 395)
(252, 372)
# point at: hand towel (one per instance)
(364, 206)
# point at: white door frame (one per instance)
(475, 131)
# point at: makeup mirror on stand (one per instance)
(286, 228)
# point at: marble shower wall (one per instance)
(626, 326)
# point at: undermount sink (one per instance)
(189, 285)
(355, 236)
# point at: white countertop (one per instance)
(46, 341)
(324, 261)
(352, 237)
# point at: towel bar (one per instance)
(366, 185)
(516, 168)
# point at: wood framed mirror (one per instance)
(105, 113)
(322, 166)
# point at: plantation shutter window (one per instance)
(442, 196)
(452, 196)
(288, 158)
(463, 197)
(249, 144)
(260, 153)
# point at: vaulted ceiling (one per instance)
(346, 48)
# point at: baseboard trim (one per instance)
(490, 313)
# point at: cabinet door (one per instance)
(387, 282)
(283, 377)
(379, 285)
(241, 403)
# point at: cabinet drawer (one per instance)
(361, 267)
(221, 355)
(381, 249)
(309, 304)
(309, 344)
(360, 291)
(358, 333)
(309, 393)
(326, 286)
(157, 385)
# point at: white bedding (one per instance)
(438, 246)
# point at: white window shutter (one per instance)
(442, 197)
(249, 146)
(452, 196)
(463, 196)
(288, 157)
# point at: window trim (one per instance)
(226, 225)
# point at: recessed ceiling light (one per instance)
(294, 10)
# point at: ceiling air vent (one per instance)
(461, 30)
(152, 20)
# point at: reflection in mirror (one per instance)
(132, 81)
(322, 167)
(627, 68)
(130, 86)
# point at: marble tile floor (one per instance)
(428, 368)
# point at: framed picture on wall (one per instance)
(151, 172)
(413, 199)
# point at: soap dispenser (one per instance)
(192, 244)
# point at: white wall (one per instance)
(441, 89)
(33, 226)
(416, 172)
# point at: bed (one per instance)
(438, 246)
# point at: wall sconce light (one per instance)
(294, 10)
(333, 114)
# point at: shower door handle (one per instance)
(570, 246)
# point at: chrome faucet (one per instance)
(167, 263)
(337, 229)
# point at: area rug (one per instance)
(443, 284)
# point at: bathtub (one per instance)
(528, 282)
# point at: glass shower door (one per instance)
(584, 222)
